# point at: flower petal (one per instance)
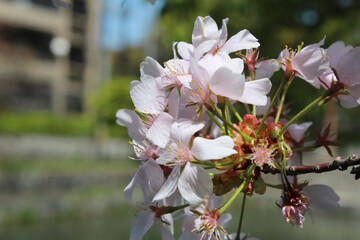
(322, 197)
(170, 185)
(194, 184)
(142, 223)
(336, 51)
(183, 129)
(242, 40)
(205, 28)
(185, 50)
(347, 101)
(223, 32)
(187, 227)
(204, 48)
(208, 149)
(255, 92)
(224, 219)
(151, 67)
(354, 91)
(265, 69)
(348, 67)
(151, 179)
(130, 187)
(310, 64)
(297, 131)
(226, 83)
(173, 103)
(159, 132)
(146, 96)
(167, 228)
(129, 119)
(185, 80)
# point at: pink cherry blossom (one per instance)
(346, 61)
(205, 30)
(307, 63)
(204, 222)
(192, 181)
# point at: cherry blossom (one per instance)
(192, 181)
(345, 61)
(307, 63)
(204, 222)
(196, 143)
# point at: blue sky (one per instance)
(127, 22)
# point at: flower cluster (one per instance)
(193, 144)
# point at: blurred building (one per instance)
(47, 54)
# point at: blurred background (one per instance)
(64, 72)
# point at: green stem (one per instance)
(241, 218)
(224, 116)
(247, 108)
(243, 184)
(231, 126)
(283, 165)
(282, 101)
(232, 108)
(227, 112)
(273, 101)
(214, 120)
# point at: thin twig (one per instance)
(337, 164)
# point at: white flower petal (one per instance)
(242, 40)
(205, 28)
(265, 69)
(185, 80)
(347, 101)
(223, 32)
(226, 83)
(183, 129)
(151, 179)
(142, 223)
(297, 131)
(185, 50)
(255, 92)
(159, 132)
(167, 230)
(187, 227)
(167, 155)
(204, 48)
(348, 67)
(224, 219)
(336, 51)
(151, 67)
(235, 64)
(128, 191)
(194, 184)
(170, 185)
(208, 149)
(215, 201)
(129, 119)
(146, 96)
(175, 199)
(310, 64)
(354, 91)
(173, 103)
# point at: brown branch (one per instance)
(337, 164)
